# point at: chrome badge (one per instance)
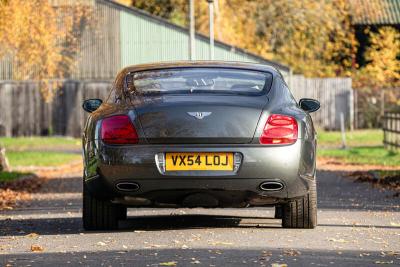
(199, 115)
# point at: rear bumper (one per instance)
(114, 164)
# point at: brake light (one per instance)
(118, 130)
(279, 129)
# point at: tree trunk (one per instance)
(4, 166)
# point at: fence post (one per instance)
(351, 103)
(391, 130)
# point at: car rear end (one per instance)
(221, 137)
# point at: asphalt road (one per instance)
(358, 226)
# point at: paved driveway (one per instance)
(358, 226)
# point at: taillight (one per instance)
(118, 130)
(279, 129)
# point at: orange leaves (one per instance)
(383, 67)
(28, 31)
(37, 248)
(382, 54)
(232, 21)
(313, 37)
(14, 191)
(40, 40)
(124, 2)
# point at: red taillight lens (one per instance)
(118, 130)
(279, 129)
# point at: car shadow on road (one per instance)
(156, 223)
(54, 226)
(62, 185)
(65, 226)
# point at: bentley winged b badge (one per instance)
(199, 115)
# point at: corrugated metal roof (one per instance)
(375, 12)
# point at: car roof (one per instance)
(200, 63)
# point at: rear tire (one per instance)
(302, 212)
(99, 214)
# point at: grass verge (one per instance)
(364, 148)
(377, 155)
(41, 151)
(370, 137)
(11, 176)
(40, 159)
(40, 143)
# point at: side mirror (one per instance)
(91, 105)
(309, 105)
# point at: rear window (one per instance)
(199, 80)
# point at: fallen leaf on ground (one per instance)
(32, 235)
(338, 240)
(267, 253)
(18, 190)
(383, 262)
(395, 224)
(4, 247)
(37, 248)
(169, 263)
(157, 246)
(291, 252)
(278, 265)
(221, 243)
(101, 243)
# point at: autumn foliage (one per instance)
(383, 65)
(315, 38)
(40, 43)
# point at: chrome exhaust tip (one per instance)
(271, 186)
(127, 186)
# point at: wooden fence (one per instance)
(391, 130)
(335, 96)
(23, 112)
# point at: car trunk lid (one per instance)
(201, 119)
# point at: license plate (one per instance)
(218, 161)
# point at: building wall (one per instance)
(144, 40)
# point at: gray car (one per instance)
(199, 134)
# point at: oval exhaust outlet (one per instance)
(271, 186)
(127, 186)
